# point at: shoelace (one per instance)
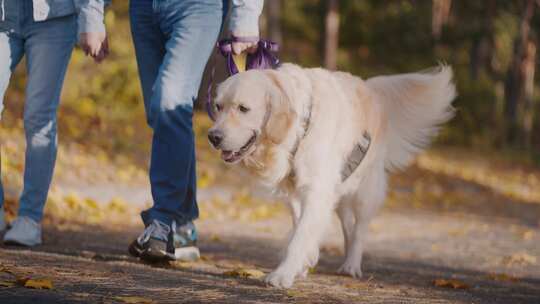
(157, 230)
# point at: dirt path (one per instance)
(477, 224)
(407, 251)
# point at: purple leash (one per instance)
(263, 58)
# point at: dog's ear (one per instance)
(280, 111)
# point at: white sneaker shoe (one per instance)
(2, 220)
(24, 231)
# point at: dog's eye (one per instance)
(219, 107)
(243, 109)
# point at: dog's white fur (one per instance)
(400, 112)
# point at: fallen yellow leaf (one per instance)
(134, 300)
(451, 283)
(38, 284)
(215, 238)
(244, 273)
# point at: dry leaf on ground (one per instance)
(244, 273)
(450, 283)
(519, 259)
(38, 284)
(215, 238)
(34, 283)
(134, 300)
(502, 277)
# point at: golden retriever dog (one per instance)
(296, 129)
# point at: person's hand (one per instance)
(94, 44)
(103, 52)
(239, 47)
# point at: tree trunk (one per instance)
(331, 38)
(440, 16)
(527, 111)
(273, 13)
(482, 50)
(517, 75)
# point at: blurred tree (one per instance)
(440, 16)
(520, 73)
(331, 34)
(482, 51)
(529, 62)
(494, 64)
(273, 16)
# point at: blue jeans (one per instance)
(173, 41)
(48, 46)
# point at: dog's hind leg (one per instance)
(345, 213)
(353, 260)
(368, 203)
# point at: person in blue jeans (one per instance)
(173, 40)
(45, 32)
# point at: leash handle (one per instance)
(225, 45)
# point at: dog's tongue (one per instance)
(227, 154)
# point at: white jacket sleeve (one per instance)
(244, 19)
(91, 15)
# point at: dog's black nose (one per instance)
(215, 137)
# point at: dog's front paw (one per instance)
(280, 279)
(352, 269)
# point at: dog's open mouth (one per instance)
(234, 156)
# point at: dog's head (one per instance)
(252, 108)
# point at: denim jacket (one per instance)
(89, 12)
(244, 19)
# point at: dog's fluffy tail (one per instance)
(415, 105)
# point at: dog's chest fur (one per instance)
(272, 164)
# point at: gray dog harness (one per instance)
(355, 157)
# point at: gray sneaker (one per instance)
(2, 220)
(24, 231)
(160, 242)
